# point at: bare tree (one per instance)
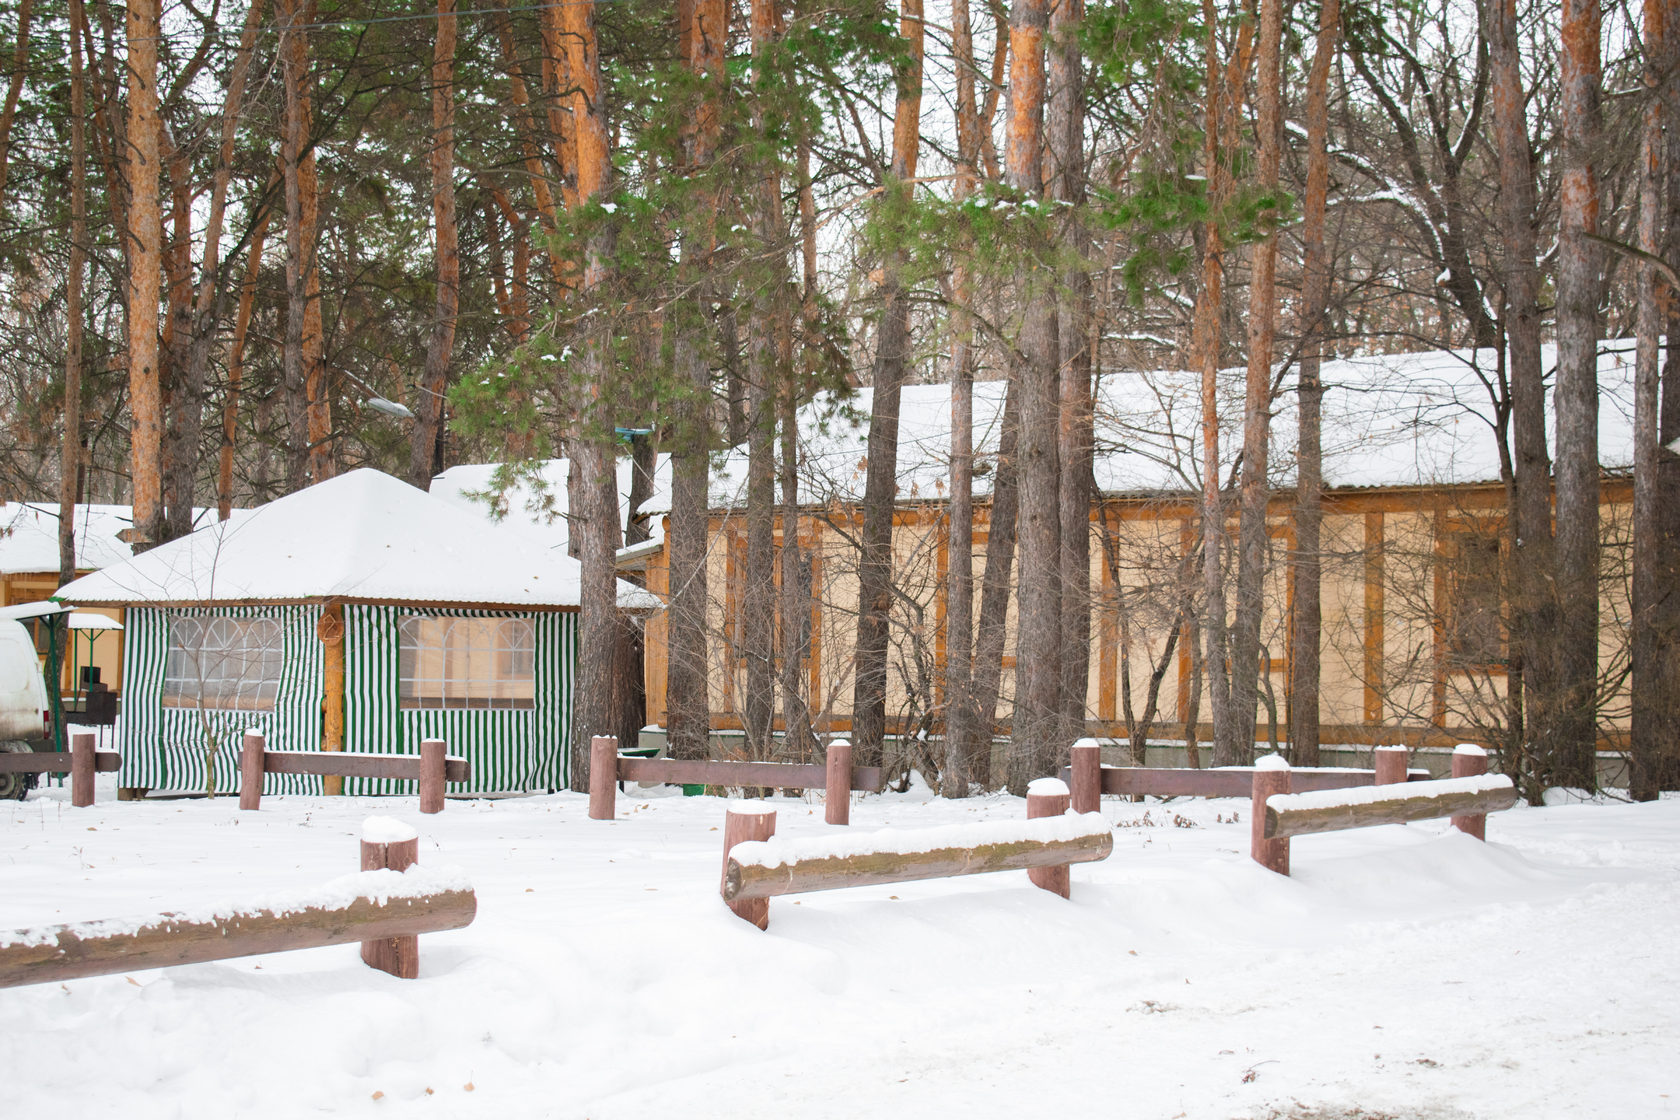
(425, 457)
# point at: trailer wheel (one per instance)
(15, 787)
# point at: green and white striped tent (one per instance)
(386, 552)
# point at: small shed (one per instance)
(359, 613)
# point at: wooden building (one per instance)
(1414, 640)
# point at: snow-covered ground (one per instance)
(1404, 972)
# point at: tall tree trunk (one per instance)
(796, 592)
(70, 457)
(1306, 625)
(236, 368)
(308, 409)
(1652, 727)
(1576, 397)
(963, 731)
(1204, 357)
(145, 227)
(1035, 739)
(14, 88)
(426, 453)
(1534, 621)
(892, 359)
(758, 627)
(991, 627)
(1253, 539)
(594, 510)
(687, 697)
(1066, 128)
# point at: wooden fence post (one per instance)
(432, 752)
(603, 777)
(1271, 775)
(251, 769)
(81, 769)
(1086, 765)
(837, 798)
(746, 821)
(390, 843)
(1390, 765)
(1049, 797)
(1469, 760)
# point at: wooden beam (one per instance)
(71, 952)
(360, 764)
(1232, 781)
(826, 873)
(55, 762)
(1374, 608)
(1415, 801)
(711, 772)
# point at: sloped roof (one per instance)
(1388, 421)
(363, 536)
(540, 512)
(29, 535)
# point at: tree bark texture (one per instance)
(1306, 625)
(991, 626)
(14, 87)
(1037, 725)
(1075, 438)
(1576, 395)
(1253, 537)
(892, 360)
(308, 410)
(70, 455)
(145, 265)
(687, 699)
(426, 451)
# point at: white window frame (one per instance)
(467, 663)
(223, 662)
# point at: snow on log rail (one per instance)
(1278, 814)
(757, 866)
(385, 908)
(81, 762)
(1302, 814)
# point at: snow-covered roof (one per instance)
(1388, 421)
(363, 536)
(539, 510)
(29, 535)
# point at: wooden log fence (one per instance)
(1090, 780)
(81, 762)
(388, 915)
(1280, 810)
(431, 768)
(756, 867)
(836, 775)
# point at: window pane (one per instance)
(223, 663)
(469, 663)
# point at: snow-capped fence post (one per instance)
(603, 777)
(1390, 765)
(1049, 797)
(81, 769)
(251, 749)
(1271, 775)
(1470, 761)
(746, 821)
(1086, 775)
(432, 755)
(388, 843)
(837, 797)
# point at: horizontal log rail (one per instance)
(1300, 815)
(56, 762)
(386, 907)
(361, 764)
(432, 768)
(1282, 807)
(836, 775)
(81, 762)
(757, 867)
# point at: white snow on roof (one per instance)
(361, 536)
(1392, 420)
(538, 510)
(29, 535)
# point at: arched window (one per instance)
(221, 662)
(465, 662)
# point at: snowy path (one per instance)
(1403, 972)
